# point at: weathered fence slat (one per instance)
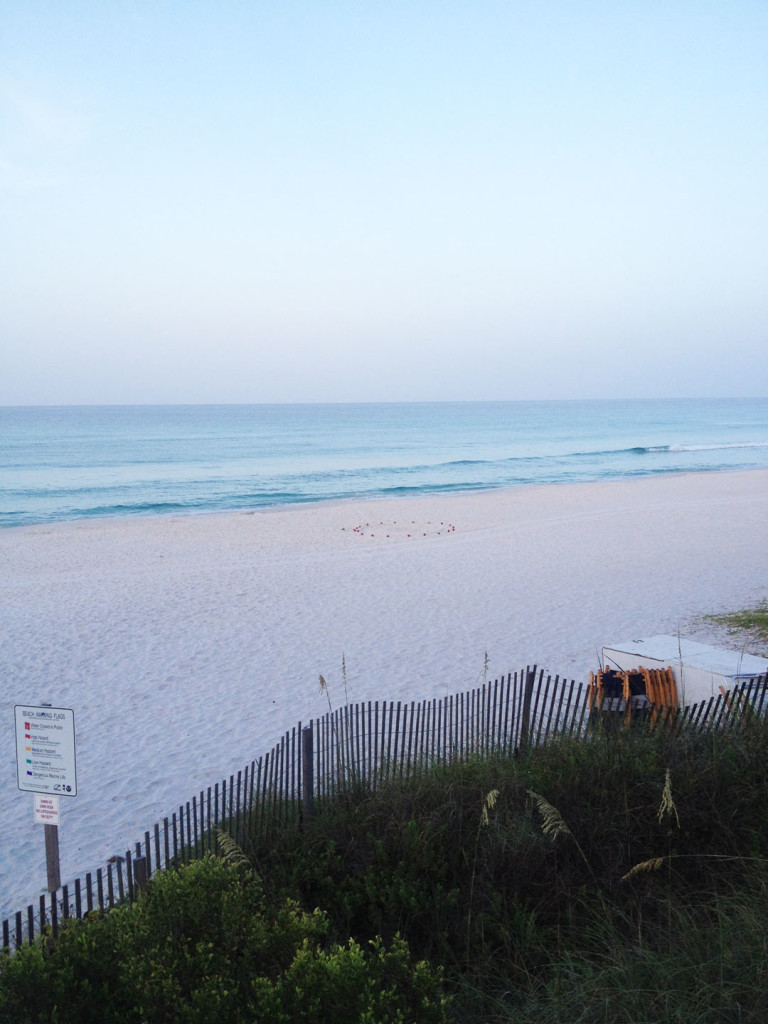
(263, 797)
(307, 765)
(762, 691)
(348, 744)
(388, 713)
(120, 884)
(358, 744)
(433, 732)
(140, 872)
(182, 844)
(270, 789)
(294, 792)
(722, 709)
(569, 705)
(192, 827)
(129, 876)
(398, 761)
(158, 862)
(209, 833)
(250, 799)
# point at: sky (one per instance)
(283, 201)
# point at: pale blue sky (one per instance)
(292, 201)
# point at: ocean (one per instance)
(64, 463)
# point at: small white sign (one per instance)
(46, 809)
(45, 750)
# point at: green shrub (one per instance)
(352, 986)
(203, 946)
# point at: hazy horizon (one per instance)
(385, 401)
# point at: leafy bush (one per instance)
(203, 945)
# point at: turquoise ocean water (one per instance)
(79, 462)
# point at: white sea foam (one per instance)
(715, 447)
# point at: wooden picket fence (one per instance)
(370, 743)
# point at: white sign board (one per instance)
(46, 810)
(45, 750)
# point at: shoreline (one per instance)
(317, 503)
(188, 644)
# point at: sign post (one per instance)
(47, 813)
(45, 766)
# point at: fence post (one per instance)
(307, 770)
(52, 857)
(140, 874)
(525, 723)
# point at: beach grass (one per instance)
(609, 880)
(751, 621)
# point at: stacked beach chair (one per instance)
(622, 693)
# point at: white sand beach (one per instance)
(187, 645)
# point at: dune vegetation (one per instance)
(623, 878)
(752, 623)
